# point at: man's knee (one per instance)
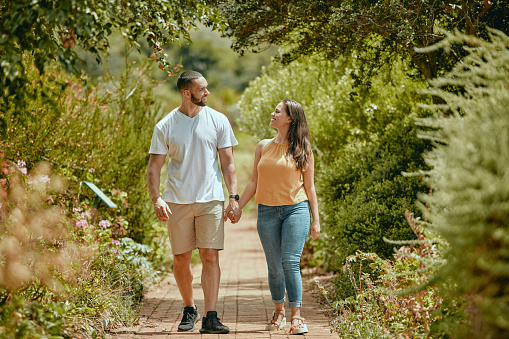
(182, 259)
(209, 256)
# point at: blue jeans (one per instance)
(283, 231)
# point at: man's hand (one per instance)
(233, 211)
(161, 210)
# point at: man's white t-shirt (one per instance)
(192, 144)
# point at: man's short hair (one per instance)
(186, 79)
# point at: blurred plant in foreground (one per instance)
(34, 246)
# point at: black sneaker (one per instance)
(211, 324)
(190, 317)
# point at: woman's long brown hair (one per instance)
(298, 135)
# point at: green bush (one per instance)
(100, 133)
(469, 206)
(19, 320)
(365, 195)
(72, 254)
(381, 298)
(363, 141)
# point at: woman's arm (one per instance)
(309, 186)
(250, 189)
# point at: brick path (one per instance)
(245, 305)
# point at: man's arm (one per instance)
(230, 179)
(155, 164)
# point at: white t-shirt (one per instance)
(192, 144)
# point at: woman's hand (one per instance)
(232, 212)
(314, 231)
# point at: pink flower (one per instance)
(115, 242)
(81, 223)
(21, 166)
(104, 224)
(86, 214)
(76, 209)
(43, 178)
(91, 170)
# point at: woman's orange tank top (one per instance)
(279, 181)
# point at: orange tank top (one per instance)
(279, 181)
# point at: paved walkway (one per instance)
(245, 305)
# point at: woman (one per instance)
(283, 180)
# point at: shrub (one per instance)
(365, 195)
(469, 205)
(383, 298)
(61, 273)
(362, 142)
(100, 133)
(336, 111)
(86, 132)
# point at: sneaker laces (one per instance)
(188, 316)
(215, 322)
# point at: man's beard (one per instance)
(197, 102)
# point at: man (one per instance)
(193, 200)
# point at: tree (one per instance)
(376, 31)
(50, 30)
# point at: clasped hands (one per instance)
(233, 212)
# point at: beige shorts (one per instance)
(198, 225)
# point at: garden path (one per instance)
(245, 305)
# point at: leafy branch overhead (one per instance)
(376, 31)
(51, 29)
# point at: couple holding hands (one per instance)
(193, 200)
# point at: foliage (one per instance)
(63, 273)
(109, 290)
(227, 73)
(33, 246)
(32, 320)
(92, 133)
(337, 112)
(377, 303)
(364, 193)
(377, 32)
(50, 30)
(87, 133)
(469, 205)
(362, 140)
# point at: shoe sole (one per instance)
(197, 318)
(302, 330)
(214, 332)
(273, 327)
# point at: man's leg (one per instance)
(184, 276)
(183, 241)
(210, 277)
(210, 240)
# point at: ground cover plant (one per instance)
(367, 298)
